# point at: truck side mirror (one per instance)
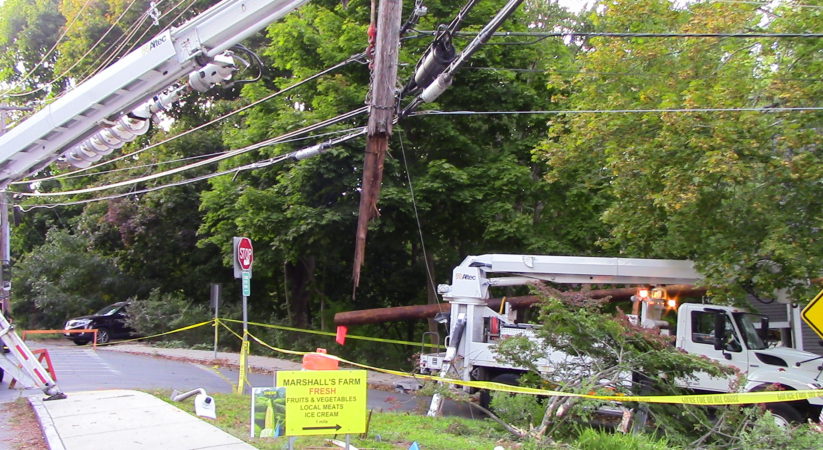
(719, 331)
(764, 329)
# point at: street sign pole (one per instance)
(215, 302)
(243, 259)
(244, 348)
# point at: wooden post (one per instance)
(381, 115)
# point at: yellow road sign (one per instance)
(324, 401)
(813, 314)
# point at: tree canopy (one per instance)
(735, 190)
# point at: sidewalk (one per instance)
(125, 419)
(260, 364)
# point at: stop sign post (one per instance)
(243, 259)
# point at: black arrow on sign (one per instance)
(333, 427)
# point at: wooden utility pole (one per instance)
(381, 116)
(417, 312)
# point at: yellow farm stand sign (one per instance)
(324, 401)
(813, 314)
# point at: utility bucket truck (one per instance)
(727, 335)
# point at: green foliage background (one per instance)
(738, 192)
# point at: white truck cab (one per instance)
(728, 335)
(734, 337)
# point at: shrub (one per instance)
(163, 312)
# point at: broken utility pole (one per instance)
(381, 116)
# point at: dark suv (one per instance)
(110, 323)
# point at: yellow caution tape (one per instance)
(739, 398)
(241, 379)
(736, 398)
(186, 328)
(220, 322)
(329, 333)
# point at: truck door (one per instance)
(701, 341)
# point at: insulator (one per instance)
(440, 56)
(111, 138)
(217, 72)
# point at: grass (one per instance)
(387, 430)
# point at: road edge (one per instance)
(46, 424)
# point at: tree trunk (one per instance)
(299, 277)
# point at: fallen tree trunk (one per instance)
(416, 312)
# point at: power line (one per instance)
(190, 158)
(593, 73)
(543, 34)
(347, 61)
(616, 111)
(295, 155)
(113, 50)
(765, 4)
(79, 60)
(46, 55)
(230, 154)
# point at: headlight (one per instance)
(82, 323)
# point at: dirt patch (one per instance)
(20, 429)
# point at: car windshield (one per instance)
(108, 310)
(748, 324)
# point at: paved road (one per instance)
(82, 368)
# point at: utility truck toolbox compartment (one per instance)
(432, 361)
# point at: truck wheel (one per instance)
(784, 415)
(512, 379)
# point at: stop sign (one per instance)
(245, 253)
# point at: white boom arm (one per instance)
(40, 139)
(471, 278)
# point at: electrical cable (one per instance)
(764, 4)
(46, 55)
(317, 149)
(255, 58)
(353, 58)
(113, 51)
(617, 111)
(443, 80)
(79, 60)
(429, 276)
(230, 154)
(190, 158)
(593, 74)
(543, 34)
(126, 38)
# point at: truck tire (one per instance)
(512, 379)
(784, 414)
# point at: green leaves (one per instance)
(61, 279)
(722, 188)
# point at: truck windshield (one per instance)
(748, 323)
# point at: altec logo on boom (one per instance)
(245, 253)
